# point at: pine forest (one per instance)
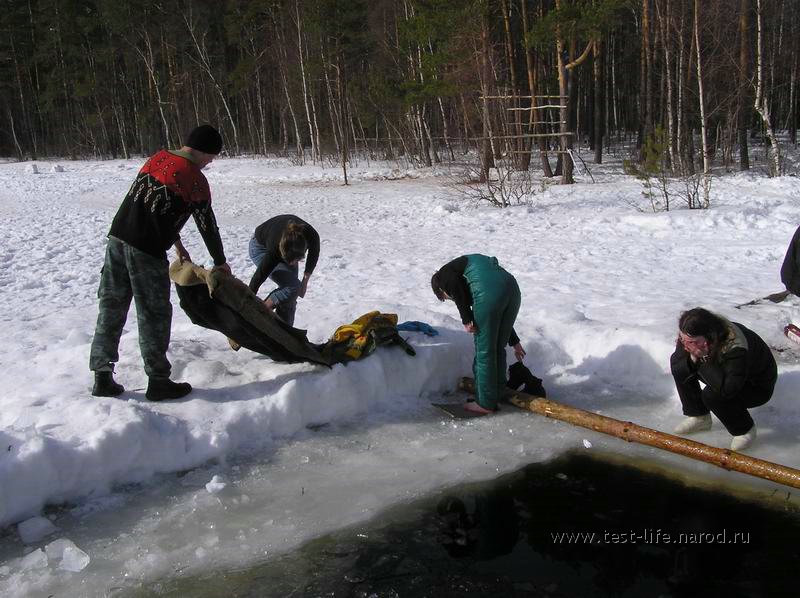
(522, 81)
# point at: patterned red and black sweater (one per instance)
(168, 189)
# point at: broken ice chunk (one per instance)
(35, 560)
(34, 529)
(68, 556)
(216, 484)
(74, 559)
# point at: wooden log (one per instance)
(523, 136)
(511, 97)
(537, 151)
(540, 107)
(631, 432)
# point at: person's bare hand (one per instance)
(224, 267)
(519, 352)
(180, 250)
(471, 328)
(303, 287)
(696, 346)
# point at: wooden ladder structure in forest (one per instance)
(520, 135)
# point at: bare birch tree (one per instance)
(762, 100)
(701, 101)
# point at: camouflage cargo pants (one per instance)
(129, 273)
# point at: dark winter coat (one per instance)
(790, 270)
(743, 358)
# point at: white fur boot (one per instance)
(701, 423)
(741, 442)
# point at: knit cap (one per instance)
(206, 139)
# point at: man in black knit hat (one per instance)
(169, 188)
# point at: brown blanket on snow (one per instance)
(220, 301)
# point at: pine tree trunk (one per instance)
(17, 146)
(565, 165)
(664, 21)
(332, 109)
(533, 126)
(517, 145)
(744, 84)
(445, 129)
(282, 61)
(487, 151)
(645, 78)
(150, 65)
(342, 114)
(599, 86)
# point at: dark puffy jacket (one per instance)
(743, 358)
(790, 270)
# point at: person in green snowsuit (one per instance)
(488, 300)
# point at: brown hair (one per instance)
(701, 322)
(293, 245)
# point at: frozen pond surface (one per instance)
(578, 525)
(321, 481)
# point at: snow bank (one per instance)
(112, 441)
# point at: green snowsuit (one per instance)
(495, 303)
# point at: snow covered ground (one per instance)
(134, 482)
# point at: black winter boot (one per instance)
(104, 385)
(164, 389)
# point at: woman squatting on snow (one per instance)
(735, 365)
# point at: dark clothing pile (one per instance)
(268, 235)
(452, 282)
(168, 189)
(741, 375)
(366, 333)
(520, 375)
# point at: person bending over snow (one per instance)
(277, 247)
(488, 300)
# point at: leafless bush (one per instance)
(693, 189)
(296, 159)
(503, 187)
